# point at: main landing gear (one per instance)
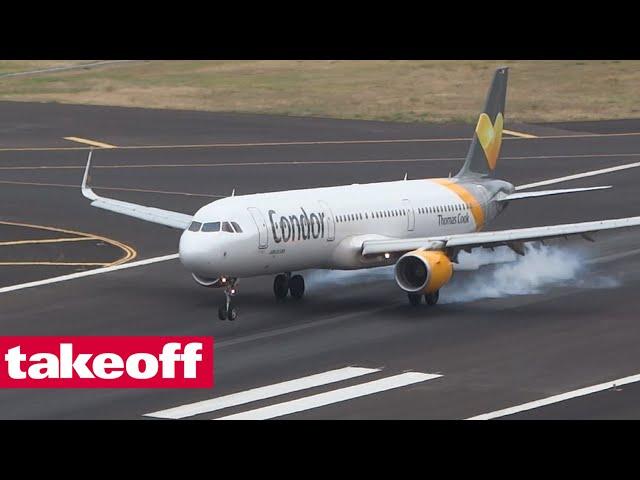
(285, 284)
(415, 299)
(227, 311)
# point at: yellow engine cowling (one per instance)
(423, 271)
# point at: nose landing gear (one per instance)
(227, 311)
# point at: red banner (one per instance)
(106, 362)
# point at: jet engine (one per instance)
(423, 271)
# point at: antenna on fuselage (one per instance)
(233, 192)
(405, 176)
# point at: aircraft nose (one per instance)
(192, 250)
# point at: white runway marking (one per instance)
(89, 273)
(334, 396)
(558, 398)
(577, 176)
(261, 393)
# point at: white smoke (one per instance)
(318, 280)
(540, 267)
(494, 274)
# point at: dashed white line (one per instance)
(334, 396)
(89, 273)
(557, 398)
(261, 393)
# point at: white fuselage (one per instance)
(324, 227)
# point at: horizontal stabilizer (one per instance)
(548, 193)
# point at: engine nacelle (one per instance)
(210, 282)
(423, 271)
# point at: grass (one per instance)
(424, 91)
(16, 66)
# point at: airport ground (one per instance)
(483, 351)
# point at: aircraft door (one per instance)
(411, 215)
(330, 224)
(263, 233)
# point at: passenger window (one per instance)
(195, 226)
(211, 227)
(236, 227)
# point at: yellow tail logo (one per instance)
(490, 137)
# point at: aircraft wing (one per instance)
(468, 241)
(149, 214)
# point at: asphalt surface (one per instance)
(563, 321)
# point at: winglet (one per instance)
(86, 190)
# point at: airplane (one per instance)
(420, 226)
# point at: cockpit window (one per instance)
(211, 227)
(195, 226)
(236, 227)
(226, 227)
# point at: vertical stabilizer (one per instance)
(482, 158)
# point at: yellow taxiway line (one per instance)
(129, 252)
(141, 190)
(53, 264)
(92, 143)
(283, 163)
(517, 136)
(46, 240)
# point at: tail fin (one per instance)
(482, 157)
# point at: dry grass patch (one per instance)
(433, 91)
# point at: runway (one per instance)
(465, 357)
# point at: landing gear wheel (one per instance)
(415, 299)
(281, 286)
(226, 311)
(432, 298)
(296, 286)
